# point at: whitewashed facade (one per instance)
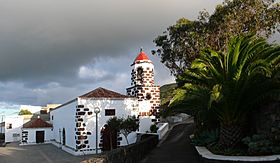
(63, 120)
(74, 123)
(29, 135)
(36, 131)
(13, 125)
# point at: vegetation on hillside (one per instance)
(24, 112)
(166, 93)
(182, 42)
(225, 70)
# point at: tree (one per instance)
(232, 83)
(128, 125)
(114, 125)
(24, 112)
(125, 126)
(182, 42)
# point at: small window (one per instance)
(52, 117)
(110, 112)
(148, 96)
(16, 135)
(9, 126)
(139, 73)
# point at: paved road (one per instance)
(44, 153)
(175, 149)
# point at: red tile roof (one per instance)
(104, 93)
(37, 123)
(141, 56)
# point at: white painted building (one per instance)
(74, 123)
(13, 125)
(36, 131)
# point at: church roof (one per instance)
(141, 56)
(37, 123)
(104, 93)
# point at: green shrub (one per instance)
(206, 137)
(261, 145)
(153, 128)
(24, 112)
(165, 111)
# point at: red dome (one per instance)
(141, 56)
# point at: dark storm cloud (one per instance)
(49, 47)
(46, 39)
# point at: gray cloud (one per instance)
(48, 47)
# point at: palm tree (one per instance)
(232, 83)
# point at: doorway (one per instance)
(109, 138)
(40, 136)
(63, 137)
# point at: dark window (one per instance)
(80, 106)
(148, 96)
(140, 73)
(9, 126)
(52, 117)
(110, 112)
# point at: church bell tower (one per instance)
(143, 87)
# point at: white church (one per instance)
(76, 126)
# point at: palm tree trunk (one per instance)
(230, 135)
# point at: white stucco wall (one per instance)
(131, 139)
(145, 124)
(13, 134)
(144, 65)
(32, 134)
(123, 108)
(64, 117)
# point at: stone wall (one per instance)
(129, 154)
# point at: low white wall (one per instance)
(162, 130)
(145, 124)
(205, 153)
(72, 151)
(131, 139)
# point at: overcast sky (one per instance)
(52, 51)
